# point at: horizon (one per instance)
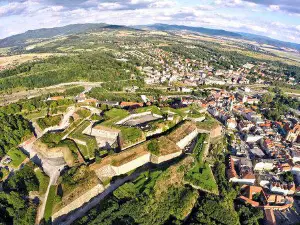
(279, 20)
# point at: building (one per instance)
(293, 134)
(264, 165)
(243, 174)
(252, 138)
(231, 123)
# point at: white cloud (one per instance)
(274, 8)
(34, 14)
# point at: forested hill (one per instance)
(21, 39)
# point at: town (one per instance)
(190, 130)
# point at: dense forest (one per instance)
(92, 66)
(35, 104)
(15, 206)
(273, 105)
(13, 129)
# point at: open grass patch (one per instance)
(50, 202)
(43, 181)
(84, 151)
(49, 121)
(131, 135)
(37, 114)
(17, 157)
(200, 175)
(153, 109)
(208, 124)
(91, 143)
(114, 115)
(83, 113)
(3, 173)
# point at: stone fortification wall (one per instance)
(187, 139)
(154, 132)
(122, 169)
(160, 159)
(86, 197)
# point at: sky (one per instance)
(279, 19)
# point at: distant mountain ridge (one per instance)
(20, 40)
(212, 32)
(219, 32)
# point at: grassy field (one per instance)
(75, 182)
(50, 202)
(153, 109)
(208, 124)
(3, 173)
(86, 151)
(33, 115)
(17, 157)
(289, 90)
(131, 135)
(201, 175)
(43, 181)
(49, 121)
(114, 115)
(18, 59)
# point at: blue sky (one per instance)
(278, 19)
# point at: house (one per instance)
(250, 138)
(295, 153)
(231, 123)
(244, 174)
(264, 165)
(109, 103)
(245, 126)
(55, 98)
(131, 105)
(256, 152)
(282, 188)
(293, 134)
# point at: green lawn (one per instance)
(37, 114)
(201, 175)
(90, 141)
(153, 109)
(84, 151)
(131, 135)
(17, 157)
(50, 202)
(114, 115)
(3, 173)
(43, 181)
(49, 121)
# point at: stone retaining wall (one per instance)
(160, 159)
(132, 164)
(187, 139)
(86, 197)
